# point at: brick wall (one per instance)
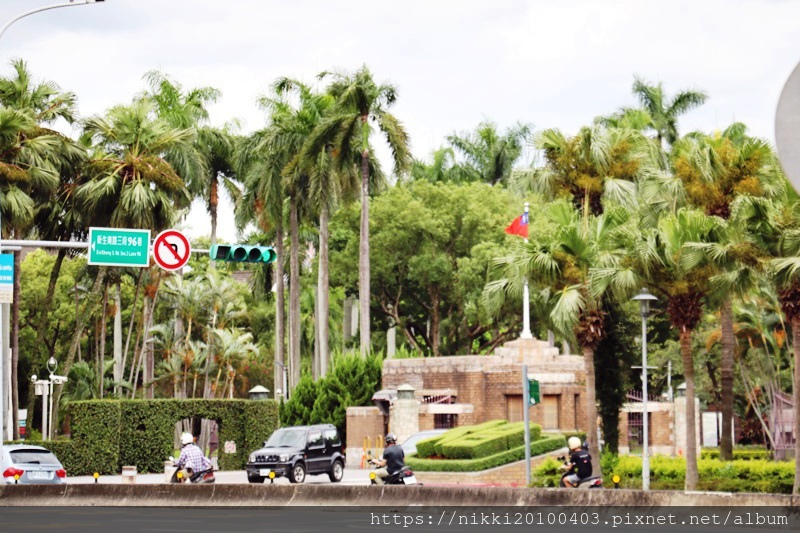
(362, 423)
(487, 382)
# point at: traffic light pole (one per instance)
(525, 408)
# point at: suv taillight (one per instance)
(11, 472)
(61, 473)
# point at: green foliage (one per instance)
(667, 473)
(613, 359)
(743, 454)
(109, 434)
(351, 381)
(435, 254)
(95, 435)
(538, 447)
(481, 440)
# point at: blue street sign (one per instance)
(6, 278)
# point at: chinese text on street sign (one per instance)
(119, 247)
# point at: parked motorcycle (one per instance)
(182, 475)
(591, 482)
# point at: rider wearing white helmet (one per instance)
(580, 463)
(192, 458)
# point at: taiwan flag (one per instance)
(519, 226)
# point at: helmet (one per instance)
(574, 443)
(391, 438)
(186, 438)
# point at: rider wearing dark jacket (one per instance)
(580, 463)
(393, 459)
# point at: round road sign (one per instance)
(171, 249)
(787, 128)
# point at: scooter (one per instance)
(591, 482)
(404, 476)
(180, 475)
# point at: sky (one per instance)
(455, 63)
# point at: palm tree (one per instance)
(563, 261)
(595, 166)
(778, 227)
(715, 172)
(490, 157)
(215, 146)
(664, 112)
(664, 259)
(263, 202)
(359, 101)
(442, 169)
(31, 158)
(132, 184)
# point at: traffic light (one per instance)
(242, 253)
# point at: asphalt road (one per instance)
(352, 476)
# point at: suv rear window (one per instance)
(37, 457)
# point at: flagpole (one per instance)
(526, 315)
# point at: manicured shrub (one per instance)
(668, 473)
(539, 447)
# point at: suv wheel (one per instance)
(255, 479)
(337, 472)
(298, 473)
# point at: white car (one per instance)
(30, 465)
(410, 444)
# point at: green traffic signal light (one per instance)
(243, 253)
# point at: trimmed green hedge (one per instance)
(481, 440)
(109, 434)
(668, 473)
(485, 442)
(744, 454)
(538, 447)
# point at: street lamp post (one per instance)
(644, 298)
(44, 387)
(45, 8)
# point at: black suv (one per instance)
(296, 451)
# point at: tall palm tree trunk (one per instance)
(117, 349)
(322, 294)
(363, 259)
(796, 397)
(101, 352)
(280, 311)
(213, 202)
(691, 431)
(726, 369)
(591, 410)
(294, 294)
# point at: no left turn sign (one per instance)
(171, 249)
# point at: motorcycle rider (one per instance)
(192, 458)
(392, 461)
(580, 463)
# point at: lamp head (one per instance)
(52, 364)
(644, 298)
(34, 377)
